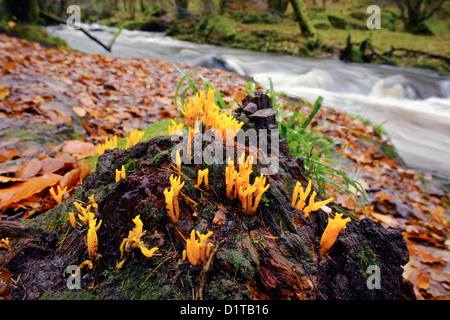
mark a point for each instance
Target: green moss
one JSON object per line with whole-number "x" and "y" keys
{"x": 35, "y": 33}
{"x": 368, "y": 258}
{"x": 242, "y": 264}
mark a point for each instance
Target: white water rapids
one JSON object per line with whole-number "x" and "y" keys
{"x": 413, "y": 104}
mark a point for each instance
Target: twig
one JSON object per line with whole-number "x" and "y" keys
{"x": 204, "y": 271}
{"x": 153, "y": 271}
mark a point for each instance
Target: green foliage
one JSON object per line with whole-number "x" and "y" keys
{"x": 192, "y": 86}
{"x": 319, "y": 152}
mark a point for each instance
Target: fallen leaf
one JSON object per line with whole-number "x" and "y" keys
{"x": 239, "y": 96}
{"x": 4, "y": 92}
{"x": 7, "y": 154}
{"x": 77, "y": 146}
{"x": 79, "y": 111}
{"x": 54, "y": 164}
{"x": 423, "y": 281}
{"x": 71, "y": 178}
{"x": 24, "y": 190}
{"x": 220, "y": 217}
{"x": 28, "y": 169}
{"x": 85, "y": 170}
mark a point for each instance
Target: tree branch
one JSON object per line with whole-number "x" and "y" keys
{"x": 106, "y": 47}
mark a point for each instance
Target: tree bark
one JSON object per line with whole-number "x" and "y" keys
{"x": 24, "y": 10}
{"x": 306, "y": 27}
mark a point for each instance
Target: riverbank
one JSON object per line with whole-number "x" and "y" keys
{"x": 86, "y": 97}
{"x": 256, "y": 28}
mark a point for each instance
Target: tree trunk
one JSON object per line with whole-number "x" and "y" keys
{"x": 306, "y": 27}
{"x": 278, "y": 6}
{"x": 24, "y": 10}
{"x": 182, "y": 7}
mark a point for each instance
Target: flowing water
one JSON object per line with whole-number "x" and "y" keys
{"x": 412, "y": 104}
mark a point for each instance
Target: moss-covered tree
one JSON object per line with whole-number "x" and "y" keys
{"x": 306, "y": 27}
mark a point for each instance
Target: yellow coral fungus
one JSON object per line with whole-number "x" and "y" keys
{"x": 197, "y": 250}
{"x": 92, "y": 240}
{"x": 120, "y": 174}
{"x": 61, "y": 192}
{"x": 133, "y": 241}
{"x": 300, "y": 203}
{"x": 134, "y": 138}
{"x": 331, "y": 232}
{"x": 203, "y": 108}
{"x": 83, "y": 212}
{"x": 314, "y": 206}
{"x": 202, "y": 176}
{"x": 108, "y": 145}
{"x": 234, "y": 180}
{"x": 4, "y": 244}
{"x": 175, "y": 128}
{"x": 238, "y": 185}
{"x": 93, "y": 202}
{"x": 72, "y": 219}
{"x": 251, "y": 196}
{"x": 171, "y": 197}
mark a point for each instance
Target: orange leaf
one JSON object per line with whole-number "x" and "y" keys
{"x": 423, "y": 282}
{"x": 382, "y": 196}
{"x": 77, "y": 146}
{"x": 7, "y": 154}
{"x": 239, "y": 96}
{"x": 71, "y": 178}
{"x": 54, "y": 164}
{"x": 85, "y": 170}
{"x": 81, "y": 112}
{"x": 24, "y": 190}
{"x": 28, "y": 169}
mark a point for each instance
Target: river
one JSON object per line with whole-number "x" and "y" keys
{"x": 412, "y": 104}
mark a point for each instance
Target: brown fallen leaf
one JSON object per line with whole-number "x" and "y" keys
{"x": 77, "y": 146}
{"x": 81, "y": 112}
{"x": 220, "y": 217}
{"x": 71, "y": 178}
{"x": 423, "y": 281}
{"x": 24, "y": 190}
{"x": 5, "y": 278}
{"x": 54, "y": 164}
{"x": 28, "y": 169}
{"x": 7, "y": 154}
{"x": 85, "y": 170}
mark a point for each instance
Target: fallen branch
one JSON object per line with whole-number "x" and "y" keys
{"x": 106, "y": 47}
{"x": 431, "y": 55}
